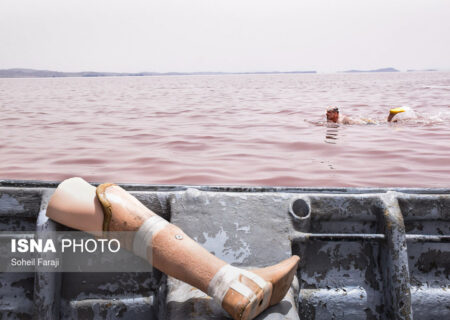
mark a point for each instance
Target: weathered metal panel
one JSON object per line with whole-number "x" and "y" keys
{"x": 365, "y": 253}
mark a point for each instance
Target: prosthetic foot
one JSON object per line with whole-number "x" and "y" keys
{"x": 393, "y": 112}
{"x": 244, "y": 294}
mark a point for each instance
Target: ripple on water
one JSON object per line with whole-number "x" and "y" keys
{"x": 243, "y": 129}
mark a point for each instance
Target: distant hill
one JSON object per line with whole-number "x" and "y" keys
{"x": 376, "y": 70}
{"x": 426, "y": 70}
{"x": 31, "y": 73}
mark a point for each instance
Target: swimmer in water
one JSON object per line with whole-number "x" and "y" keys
{"x": 334, "y": 116}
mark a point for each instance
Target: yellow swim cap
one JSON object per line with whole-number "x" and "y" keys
{"x": 397, "y": 110}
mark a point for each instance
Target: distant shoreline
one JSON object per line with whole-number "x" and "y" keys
{"x": 375, "y": 70}
{"x": 33, "y": 73}
{"x": 387, "y": 70}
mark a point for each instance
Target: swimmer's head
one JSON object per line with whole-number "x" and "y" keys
{"x": 332, "y": 114}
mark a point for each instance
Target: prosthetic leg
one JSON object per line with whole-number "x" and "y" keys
{"x": 243, "y": 294}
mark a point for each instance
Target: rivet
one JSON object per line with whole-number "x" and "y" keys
{"x": 178, "y": 237}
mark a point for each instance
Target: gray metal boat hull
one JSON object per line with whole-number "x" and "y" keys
{"x": 365, "y": 253}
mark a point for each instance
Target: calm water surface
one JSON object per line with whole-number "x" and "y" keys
{"x": 230, "y": 129}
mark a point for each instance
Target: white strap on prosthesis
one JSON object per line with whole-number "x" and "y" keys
{"x": 143, "y": 237}
{"x": 228, "y": 277}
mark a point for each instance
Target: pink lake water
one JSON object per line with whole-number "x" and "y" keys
{"x": 228, "y": 130}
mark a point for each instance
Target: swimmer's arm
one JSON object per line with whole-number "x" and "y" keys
{"x": 347, "y": 120}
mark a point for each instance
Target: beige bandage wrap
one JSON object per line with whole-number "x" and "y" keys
{"x": 228, "y": 277}
{"x": 142, "y": 239}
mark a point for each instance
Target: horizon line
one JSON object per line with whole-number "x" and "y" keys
{"x": 45, "y": 73}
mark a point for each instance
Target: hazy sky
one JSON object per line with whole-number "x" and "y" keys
{"x": 209, "y": 35}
